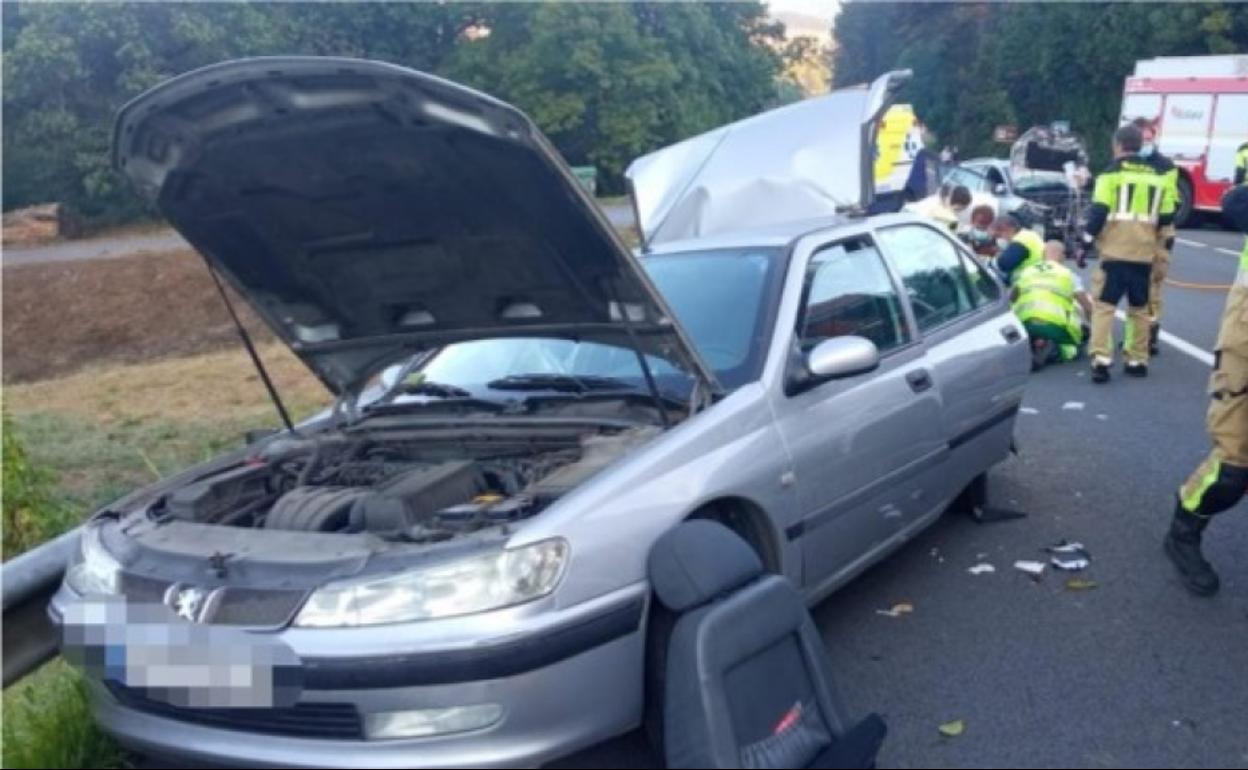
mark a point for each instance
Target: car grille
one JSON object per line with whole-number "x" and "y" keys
{"x": 234, "y": 606}
{"x": 330, "y": 721}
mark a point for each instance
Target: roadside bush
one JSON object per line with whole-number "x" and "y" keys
{"x": 31, "y": 512}
{"x": 47, "y": 723}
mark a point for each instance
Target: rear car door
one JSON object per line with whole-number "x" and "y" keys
{"x": 864, "y": 448}
{"x": 975, "y": 346}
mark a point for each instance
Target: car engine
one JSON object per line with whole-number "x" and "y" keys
{"x": 404, "y": 488}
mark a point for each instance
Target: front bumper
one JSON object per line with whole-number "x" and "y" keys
{"x": 563, "y": 684}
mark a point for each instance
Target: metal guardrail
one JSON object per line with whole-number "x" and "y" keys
{"x": 28, "y": 582}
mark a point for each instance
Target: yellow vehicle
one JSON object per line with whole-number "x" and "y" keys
{"x": 898, "y": 143}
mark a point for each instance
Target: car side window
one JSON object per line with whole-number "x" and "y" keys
{"x": 984, "y": 290}
{"x": 932, "y": 271}
{"x": 848, "y": 291}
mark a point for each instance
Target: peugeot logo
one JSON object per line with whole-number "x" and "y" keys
{"x": 187, "y": 602}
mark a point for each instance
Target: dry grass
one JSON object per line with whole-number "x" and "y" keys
{"x": 196, "y": 389}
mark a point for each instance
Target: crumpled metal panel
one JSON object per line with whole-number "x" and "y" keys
{"x": 801, "y": 161}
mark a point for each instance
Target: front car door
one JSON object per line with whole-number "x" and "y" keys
{"x": 864, "y": 448}
{"x": 975, "y": 346}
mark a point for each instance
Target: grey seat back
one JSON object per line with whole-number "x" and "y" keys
{"x": 748, "y": 681}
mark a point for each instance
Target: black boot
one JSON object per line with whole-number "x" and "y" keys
{"x": 1154, "y": 339}
{"x": 1183, "y": 548}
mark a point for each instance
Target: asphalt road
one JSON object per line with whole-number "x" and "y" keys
{"x": 1134, "y": 673}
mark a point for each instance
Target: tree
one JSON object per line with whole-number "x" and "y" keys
{"x": 977, "y": 64}
{"x": 606, "y": 81}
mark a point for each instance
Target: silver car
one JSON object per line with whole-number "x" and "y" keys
{"x": 448, "y": 568}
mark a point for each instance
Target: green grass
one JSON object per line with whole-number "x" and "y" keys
{"x": 47, "y": 723}
{"x": 96, "y": 464}
{"x": 58, "y": 467}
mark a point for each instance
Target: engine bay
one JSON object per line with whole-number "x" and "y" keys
{"x": 403, "y": 486}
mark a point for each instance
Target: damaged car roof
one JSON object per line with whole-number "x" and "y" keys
{"x": 802, "y": 161}
{"x": 368, "y": 211}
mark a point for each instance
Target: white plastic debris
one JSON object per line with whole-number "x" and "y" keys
{"x": 1035, "y": 568}
{"x": 982, "y": 569}
{"x": 1102, "y": 417}
{"x": 1066, "y": 547}
{"x": 1076, "y": 564}
{"x": 1073, "y": 406}
{"x": 1029, "y": 410}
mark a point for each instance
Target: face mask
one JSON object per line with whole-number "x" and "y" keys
{"x": 979, "y": 235}
{"x": 1147, "y": 150}
{"x": 1003, "y": 243}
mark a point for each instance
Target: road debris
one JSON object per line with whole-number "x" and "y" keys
{"x": 1070, "y": 565}
{"x": 1079, "y": 584}
{"x": 953, "y": 729}
{"x": 1033, "y": 568}
{"x": 982, "y": 569}
{"x": 1102, "y": 417}
{"x": 1073, "y": 406}
{"x": 904, "y": 608}
{"x": 1029, "y": 410}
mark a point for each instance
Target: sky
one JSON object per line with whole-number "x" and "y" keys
{"x": 824, "y": 9}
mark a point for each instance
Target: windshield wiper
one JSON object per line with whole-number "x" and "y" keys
{"x": 435, "y": 389}
{"x": 579, "y": 383}
{"x": 467, "y": 402}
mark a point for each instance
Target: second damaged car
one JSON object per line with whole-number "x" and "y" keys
{"x": 448, "y": 567}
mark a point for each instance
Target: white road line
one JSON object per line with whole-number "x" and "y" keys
{"x": 1181, "y": 345}
{"x": 1197, "y": 244}
{"x": 1232, "y": 252}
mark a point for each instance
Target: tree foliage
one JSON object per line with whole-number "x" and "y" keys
{"x": 606, "y": 81}
{"x": 981, "y": 64}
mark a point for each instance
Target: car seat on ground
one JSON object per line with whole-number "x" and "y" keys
{"x": 749, "y": 683}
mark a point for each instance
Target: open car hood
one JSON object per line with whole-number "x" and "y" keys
{"x": 368, "y": 211}
{"x": 802, "y": 161}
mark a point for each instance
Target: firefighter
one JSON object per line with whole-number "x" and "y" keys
{"x": 1047, "y": 297}
{"x": 1165, "y": 239}
{"x": 1241, "y": 164}
{"x": 1219, "y": 483}
{"x": 1130, "y": 205}
{"x": 1020, "y": 247}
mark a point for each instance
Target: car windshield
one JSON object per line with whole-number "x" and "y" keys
{"x": 1029, "y": 179}
{"x": 720, "y": 297}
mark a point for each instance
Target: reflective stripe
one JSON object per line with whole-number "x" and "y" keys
{"x": 1145, "y": 218}
{"x": 1193, "y": 498}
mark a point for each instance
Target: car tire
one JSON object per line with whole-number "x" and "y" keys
{"x": 1184, "y": 214}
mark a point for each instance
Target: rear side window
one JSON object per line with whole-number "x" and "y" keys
{"x": 848, "y": 291}
{"x": 932, "y": 271}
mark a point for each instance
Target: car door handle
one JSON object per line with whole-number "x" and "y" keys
{"x": 919, "y": 380}
{"x": 1011, "y": 334}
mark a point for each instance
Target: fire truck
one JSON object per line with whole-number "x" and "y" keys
{"x": 1199, "y": 105}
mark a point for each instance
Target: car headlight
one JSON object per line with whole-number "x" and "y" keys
{"x": 92, "y": 569}
{"x": 464, "y": 587}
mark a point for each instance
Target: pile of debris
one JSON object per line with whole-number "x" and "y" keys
{"x": 34, "y": 225}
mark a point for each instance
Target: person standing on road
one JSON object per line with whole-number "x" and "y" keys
{"x": 1020, "y": 247}
{"x": 1165, "y": 237}
{"x": 1220, "y": 481}
{"x": 1241, "y": 164}
{"x": 1130, "y": 205}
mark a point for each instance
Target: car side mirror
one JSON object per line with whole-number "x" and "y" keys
{"x": 842, "y": 357}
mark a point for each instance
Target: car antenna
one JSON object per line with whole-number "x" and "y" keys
{"x": 251, "y": 350}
